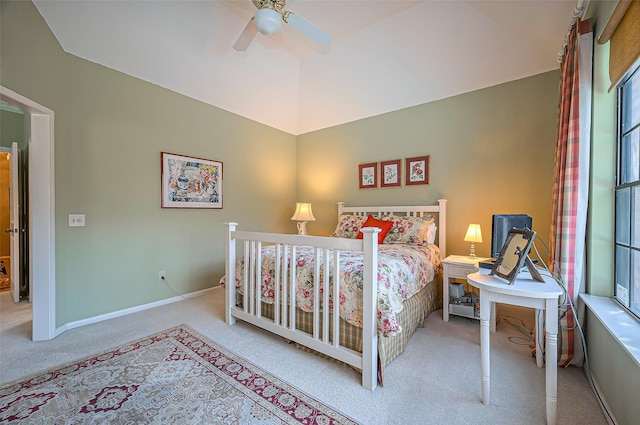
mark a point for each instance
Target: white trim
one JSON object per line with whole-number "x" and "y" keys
{"x": 621, "y": 324}
{"x": 42, "y": 280}
{"x": 4, "y": 106}
{"x": 126, "y": 311}
{"x": 578, "y": 13}
{"x": 604, "y": 406}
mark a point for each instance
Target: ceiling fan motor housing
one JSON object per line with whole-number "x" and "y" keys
{"x": 268, "y": 21}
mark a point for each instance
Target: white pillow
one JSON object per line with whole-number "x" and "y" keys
{"x": 431, "y": 233}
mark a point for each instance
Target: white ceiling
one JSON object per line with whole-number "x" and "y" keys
{"x": 385, "y": 55}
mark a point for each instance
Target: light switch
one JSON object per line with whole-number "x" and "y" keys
{"x": 76, "y": 220}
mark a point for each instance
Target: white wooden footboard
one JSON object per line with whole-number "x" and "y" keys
{"x": 284, "y": 321}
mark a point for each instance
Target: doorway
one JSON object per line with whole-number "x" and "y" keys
{"x": 40, "y": 222}
{"x": 5, "y": 254}
{"x": 6, "y": 262}
{"x": 13, "y": 235}
{"x": 5, "y": 251}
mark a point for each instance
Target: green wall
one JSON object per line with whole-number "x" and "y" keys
{"x": 11, "y": 129}
{"x": 110, "y": 129}
{"x": 616, "y": 373}
{"x": 491, "y": 151}
{"x": 603, "y": 167}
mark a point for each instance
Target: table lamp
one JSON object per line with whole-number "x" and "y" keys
{"x": 302, "y": 215}
{"x": 474, "y": 234}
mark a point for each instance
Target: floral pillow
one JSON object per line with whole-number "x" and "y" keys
{"x": 348, "y": 226}
{"x": 409, "y": 230}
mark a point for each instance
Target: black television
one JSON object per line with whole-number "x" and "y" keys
{"x": 500, "y": 226}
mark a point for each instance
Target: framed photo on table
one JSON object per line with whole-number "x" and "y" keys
{"x": 390, "y": 173}
{"x": 368, "y": 175}
{"x": 189, "y": 182}
{"x": 514, "y": 255}
{"x": 416, "y": 170}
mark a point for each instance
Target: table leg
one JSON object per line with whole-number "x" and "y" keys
{"x": 485, "y": 313}
{"x": 493, "y": 317}
{"x": 445, "y": 297}
{"x": 551, "y": 352}
{"x": 539, "y": 336}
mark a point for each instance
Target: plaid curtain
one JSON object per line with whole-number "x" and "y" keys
{"x": 571, "y": 183}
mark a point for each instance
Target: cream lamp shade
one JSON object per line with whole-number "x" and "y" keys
{"x": 474, "y": 234}
{"x": 302, "y": 215}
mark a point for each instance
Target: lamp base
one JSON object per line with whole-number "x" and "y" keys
{"x": 472, "y": 255}
{"x": 302, "y": 227}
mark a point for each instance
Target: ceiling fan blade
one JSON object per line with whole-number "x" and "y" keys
{"x": 308, "y": 28}
{"x": 247, "y": 36}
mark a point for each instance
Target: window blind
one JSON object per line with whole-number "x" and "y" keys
{"x": 623, "y": 31}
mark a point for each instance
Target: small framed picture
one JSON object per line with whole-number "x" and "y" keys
{"x": 390, "y": 173}
{"x": 368, "y": 175}
{"x": 416, "y": 170}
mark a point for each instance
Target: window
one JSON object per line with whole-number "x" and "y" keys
{"x": 627, "y": 194}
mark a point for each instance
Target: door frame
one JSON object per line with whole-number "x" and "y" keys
{"x": 41, "y": 214}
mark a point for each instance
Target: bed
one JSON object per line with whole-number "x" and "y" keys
{"x": 383, "y": 264}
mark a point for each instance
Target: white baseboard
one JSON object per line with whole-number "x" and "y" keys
{"x": 130, "y": 310}
{"x": 611, "y": 420}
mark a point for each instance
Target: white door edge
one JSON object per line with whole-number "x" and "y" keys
{"x": 14, "y": 223}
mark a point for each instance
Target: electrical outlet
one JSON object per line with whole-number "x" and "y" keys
{"x": 162, "y": 276}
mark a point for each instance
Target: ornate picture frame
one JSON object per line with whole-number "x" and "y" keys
{"x": 416, "y": 170}
{"x": 514, "y": 255}
{"x": 189, "y": 182}
{"x": 368, "y": 175}
{"x": 390, "y": 173}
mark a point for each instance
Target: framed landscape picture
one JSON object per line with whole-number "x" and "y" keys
{"x": 390, "y": 173}
{"x": 416, "y": 170}
{"x": 189, "y": 182}
{"x": 368, "y": 175}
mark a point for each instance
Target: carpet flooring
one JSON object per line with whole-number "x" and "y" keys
{"x": 436, "y": 381}
{"x": 175, "y": 376}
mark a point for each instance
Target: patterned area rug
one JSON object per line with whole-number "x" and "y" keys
{"x": 173, "y": 377}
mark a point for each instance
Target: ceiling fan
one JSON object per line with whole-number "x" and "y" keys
{"x": 268, "y": 20}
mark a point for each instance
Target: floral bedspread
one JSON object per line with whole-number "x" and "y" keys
{"x": 403, "y": 270}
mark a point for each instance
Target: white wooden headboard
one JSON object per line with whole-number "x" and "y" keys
{"x": 439, "y": 211}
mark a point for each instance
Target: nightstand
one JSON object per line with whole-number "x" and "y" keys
{"x": 458, "y": 267}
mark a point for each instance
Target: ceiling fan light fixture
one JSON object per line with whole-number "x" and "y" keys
{"x": 268, "y": 21}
